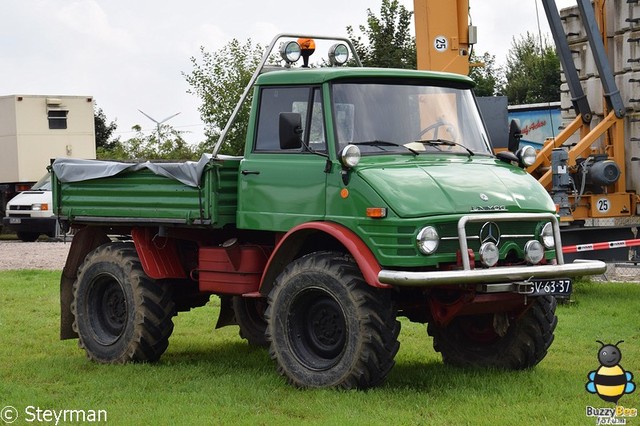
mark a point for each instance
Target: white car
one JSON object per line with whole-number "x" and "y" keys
{"x": 30, "y": 213}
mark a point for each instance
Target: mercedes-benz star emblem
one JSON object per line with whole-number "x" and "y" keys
{"x": 490, "y": 232}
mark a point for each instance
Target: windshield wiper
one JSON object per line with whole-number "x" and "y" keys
{"x": 438, "y": 142}
{"x": 380, "y": 144}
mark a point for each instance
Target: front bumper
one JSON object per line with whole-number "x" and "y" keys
{"x": 491, "y": 275}
{"x": 42, "y": 225}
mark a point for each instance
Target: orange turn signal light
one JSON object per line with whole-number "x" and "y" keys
{"x": 376, "y": 212}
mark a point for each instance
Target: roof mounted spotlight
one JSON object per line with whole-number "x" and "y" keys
{"x": 290, "y": 51}
{"x": 338, "y": 54}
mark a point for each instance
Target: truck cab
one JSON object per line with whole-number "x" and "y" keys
{"x": 30, "y": 213}
{"x": 398, "y": 157}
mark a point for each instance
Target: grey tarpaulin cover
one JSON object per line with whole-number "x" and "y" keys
{"x": 75, "y": 170}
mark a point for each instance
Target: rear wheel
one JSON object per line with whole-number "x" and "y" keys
{"x": 121, "y": 315}
{"x": 249, "y": 313}
{"x": 495, "y": 341}
{"x": 327, "y": 327}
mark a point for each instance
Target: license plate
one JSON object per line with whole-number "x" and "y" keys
{"x": 557, "y": 287}
{"x": 15, "y": 220}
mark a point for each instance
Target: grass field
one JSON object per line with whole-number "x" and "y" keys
{"x": 211, "y": 376}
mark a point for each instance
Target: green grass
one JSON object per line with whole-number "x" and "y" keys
{"x": 211, "y": 376}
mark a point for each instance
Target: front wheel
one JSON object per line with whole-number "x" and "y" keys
{"x": 121, "y": 314}
{"x": 327, "y": 327}
{"x": 497, "y": 341}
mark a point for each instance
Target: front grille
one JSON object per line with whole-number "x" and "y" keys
{"x": 510, "y": 231}
{"x": 394, "y": 242}
{"x": 14, "y": 207}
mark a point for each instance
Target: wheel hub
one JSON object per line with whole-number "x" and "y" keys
{"x": 115, "y": 309}
{"x": 108, "y": 312}
{"x": 326, "y": 326}
{"x": 317, "y": 328}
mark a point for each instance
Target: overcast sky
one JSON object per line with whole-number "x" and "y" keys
{"x": 130, "y": 54}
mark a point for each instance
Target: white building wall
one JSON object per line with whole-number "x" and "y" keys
{"x": 8, "y": 145}
{"x": 28, "y": 143}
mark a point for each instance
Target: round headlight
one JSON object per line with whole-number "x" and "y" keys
{"x": 546, "y": 236}
{"x": 489, "y": 254}
{"x": 290, "y": 51}
{"x": 338, "y": 54}
{"x": 350, "y": 156}
{"x": 428, "y": 240}
{"x": 527, "y": 156}
{"x": 533, "y": 252}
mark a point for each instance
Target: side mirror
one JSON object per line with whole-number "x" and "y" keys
{"x": 290, "y": 130}
{"x": 515, "y": 134}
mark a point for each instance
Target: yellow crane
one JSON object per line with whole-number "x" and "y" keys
{"x": 587, "y": 179}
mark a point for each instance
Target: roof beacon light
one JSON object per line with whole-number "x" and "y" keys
{"x": 338, "y": 54}
{"x": 290, "y": 51}
{"x": 308, "y": 46}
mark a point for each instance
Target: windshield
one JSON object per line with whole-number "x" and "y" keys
{"x": 384, "y": 117}
{"x": 44, "y": 184}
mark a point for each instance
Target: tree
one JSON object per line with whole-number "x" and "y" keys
{"x": 486, "y": 74}
{"x": 166, "y": 145}
{"x": 103, "y": 130}
{"x": 219, "y": 79}
{"x": 389, "y": 43}
{"x": 532, "y": 71}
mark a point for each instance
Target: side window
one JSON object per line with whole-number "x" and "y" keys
{"x": 273, "y": 101}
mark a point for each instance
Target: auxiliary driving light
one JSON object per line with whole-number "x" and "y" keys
{"x": 338, "y": 54}
{"x": 290, "y": 51}
{"x": 533, "y": 252}
{"x": 546, "y": 236}
{"x": 428, "y": 240}
{"x": 489, "y": 254}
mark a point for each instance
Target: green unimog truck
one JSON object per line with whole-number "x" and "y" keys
{"x": 363, "y": 195}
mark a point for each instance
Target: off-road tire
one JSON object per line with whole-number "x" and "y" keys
{"x": 327, "y": 327}
{"x": 121, "y": 315}
{"x": 471, "y": 341}
{"x": 249, "y": 313}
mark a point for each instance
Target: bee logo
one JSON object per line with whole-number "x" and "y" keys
{"x": 610, "y": 381}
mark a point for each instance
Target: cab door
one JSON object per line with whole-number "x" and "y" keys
{"x": 281, "y": 188}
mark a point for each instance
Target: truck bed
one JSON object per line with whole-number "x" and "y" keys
{"x": 144, "y": 193}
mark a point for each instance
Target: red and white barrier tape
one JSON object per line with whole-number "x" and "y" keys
{"x": 601, "y": 246}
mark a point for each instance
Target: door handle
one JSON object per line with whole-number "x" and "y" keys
{"x": 250, "y": 172}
